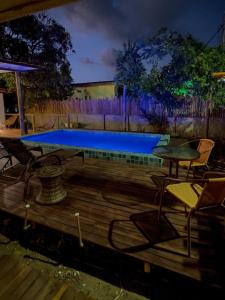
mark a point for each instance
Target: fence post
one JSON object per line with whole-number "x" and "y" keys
{"x": 124, "y": 105}
{"x": 68, "y": 120}
{"x": 58, "y": 120}
{"x": 104, "y": 120}
{"x": 33, "y": 122}
{"x": 207, "y": 123}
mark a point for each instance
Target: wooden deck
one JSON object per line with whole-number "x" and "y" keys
{"x": 20, "y": 281}
{"x": 106, "y": 195}
{"x": 11, "y": 132}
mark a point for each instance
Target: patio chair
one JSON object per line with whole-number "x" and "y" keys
{"x": 47, "y": 126}
{"x": 29, "y": 163}
{"x": 11, "y": 121}
{"x": 204, "y": 148}
{"x": 196, "y": 194}
{"x": 5, "y": 159}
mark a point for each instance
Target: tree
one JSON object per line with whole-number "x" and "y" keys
{"x": 190, "y": 63}
{"x": 209, "y": 60}
{"x": 39, "y": 40}
{"x": 179, "y": 67}
{"x": 129, "y": 68}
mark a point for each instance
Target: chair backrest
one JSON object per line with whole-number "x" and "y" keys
{"x": 17, "y": 148}
{"x": 205, "y": 147}
{"x": 213, "y": 193}
{"x": 47, "y": 126}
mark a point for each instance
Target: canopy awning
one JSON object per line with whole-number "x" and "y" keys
{"x": 13, "y": 9}
{"x": 11, "y": 66}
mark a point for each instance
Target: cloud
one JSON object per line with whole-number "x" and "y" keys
{"x": 132, "y": 19}
{"x": 87, "y": 61}
{"x": 108, "y": 57}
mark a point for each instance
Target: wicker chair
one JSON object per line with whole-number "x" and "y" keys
{"x": 205, "y": 147}
{"x": 11, "y": 121}
{"x": 196, "y": 194}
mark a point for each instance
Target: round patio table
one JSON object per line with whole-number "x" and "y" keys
{"x": 52, "y": 190}
{"x": 175, "y": 154}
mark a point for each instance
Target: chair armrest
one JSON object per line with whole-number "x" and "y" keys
{"x": 170, "y": 180}
{"x": 35, "y": 148}
{"x": 46, "y": 159}
{"x": 213, "y": 174}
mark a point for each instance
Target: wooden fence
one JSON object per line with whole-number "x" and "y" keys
{"x": 134, "y": 107}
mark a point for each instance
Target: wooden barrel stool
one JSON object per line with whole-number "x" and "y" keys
{"x": 52, "y": 190}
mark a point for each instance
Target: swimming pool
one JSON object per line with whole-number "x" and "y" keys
{"x": 133, "y": 148}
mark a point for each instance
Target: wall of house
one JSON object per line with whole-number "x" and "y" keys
{"x": 2, "y": 110}
{"x": 95, "y": 91}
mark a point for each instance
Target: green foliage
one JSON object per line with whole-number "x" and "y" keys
{"x": 211, "y": 59}
{"x": 42, "y": 41}
{"x": 188, "y": 60}
{"x": 184, "y": 90}
{"x": 158, "y": 121}
{"x": 180, "y": 66}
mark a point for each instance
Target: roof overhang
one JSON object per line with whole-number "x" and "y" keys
{"x": 13, "y": 9}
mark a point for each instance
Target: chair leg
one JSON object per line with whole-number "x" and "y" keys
{"x": 27, "y": 187}
{"x": 160, "y": 203}
{"x": 189, "y": 233}
{"x": 185, "y": 209}
{"x": 188, "y": 171}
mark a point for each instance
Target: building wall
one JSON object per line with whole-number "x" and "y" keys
{"x": 96, "y": 91}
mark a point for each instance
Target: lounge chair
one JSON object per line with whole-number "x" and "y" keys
{"x": 47, "y": 126}
{"x": 196, "y": 194}
{"x": 11, "y": 121}
{"x": 29, "y": 163}
{"x": 205, "y": 147}
{"x": 5, "y": 159}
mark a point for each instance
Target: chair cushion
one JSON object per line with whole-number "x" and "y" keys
{"x": 198, "y": 164}
{"x": 185, "y": 164}
{"x": 185, "y": 192}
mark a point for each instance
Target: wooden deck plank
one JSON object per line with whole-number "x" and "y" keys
{"x": 45, "y": 212}
{"x": 21, "y": 281}
{"x": 8, "y": 291}
{"x": 104, "y": 191}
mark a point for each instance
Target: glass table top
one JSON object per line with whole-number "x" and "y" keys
{"x": 176, "y": 152}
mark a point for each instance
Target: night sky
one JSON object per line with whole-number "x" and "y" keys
{"x": 99, "y": 26}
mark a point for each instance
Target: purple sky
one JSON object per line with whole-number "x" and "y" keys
{"x": 98, "y": 26}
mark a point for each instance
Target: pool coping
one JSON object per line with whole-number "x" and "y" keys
{"x": 128, "y": 157}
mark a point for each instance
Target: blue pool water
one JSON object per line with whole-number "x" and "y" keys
{"x": 99, "y": 140}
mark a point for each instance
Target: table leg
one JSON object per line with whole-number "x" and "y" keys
{"x": 170, "y": 168}
{"x": 177, "y": 166}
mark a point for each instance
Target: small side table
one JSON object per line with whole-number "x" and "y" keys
{"x": 175, "y": 154}
{"x": 52, "y": 190}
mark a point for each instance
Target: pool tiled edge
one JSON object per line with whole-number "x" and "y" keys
{"x": 130, "y": 158}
